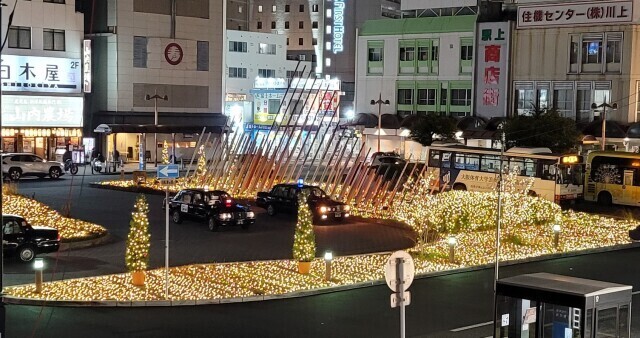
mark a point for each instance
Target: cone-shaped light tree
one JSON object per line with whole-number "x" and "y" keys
{"x": 165, "y": 152}
{"x": 137, "y": 253}
{"x": 304, "y": 241}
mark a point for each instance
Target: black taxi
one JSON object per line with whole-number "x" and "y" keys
{"x": 284, "y": 198}
{"x": 216, "y": 207}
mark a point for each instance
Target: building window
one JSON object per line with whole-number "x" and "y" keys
{"x": 427, "y": 96}
{"x": 139, "y": 52}
{"x": 287, "y": 41}
{"x": 328, "y": 29}
{"x": 614, "y": 48}
{"x": 423, "y": 53}
{"x": 301, "y": 8}
{"x": 405, "y": 96}
{"x": 435, "y": 52}
{"x": 327, "y": 45}
{"x": 202, "y": 57}
{"x": 237, "y": 46}
{"x": 19, "y": 37}
{"x": 314, "y": 25}
{"x": 301, "y": 24}
{"x": 260, "y": 9}
{"x": 287, "y": 8}
{"x": 592, "y": 50}
{"x": 259, "y": 26}
{"x": 266, "y": 72}
{"x": 461, "y": 97}
{"x": 563, "y": 102}
{"x": 466, "y": 53}
{"x": 327, "y": 62}
{"x": 239, "y": 9}
{"x": 273, "y": 8}
{"x": 407, "y": 53}
{"x": 53, "y": 39}
{"x": 300, "y": 41}
{"x": 314, "y": 8}
{"x": 237, "y": 73}
{"x": 286, "y": 25}
{"x": 267, "y": 48}
{"x": 375, "y": 54}
{"x": 54, "y": 1}
{"x": 314, "y": 41}
{"x": 273, "y": 25}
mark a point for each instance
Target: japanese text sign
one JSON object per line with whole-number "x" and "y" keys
{"x": 41, "y": 111}
{"x": 492, "y": 43}
{"x": 572, "y": 14}
{"x": 22, "y": 73}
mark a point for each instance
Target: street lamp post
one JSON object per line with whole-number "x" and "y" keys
{"x": 379, "y": 102}
{"x": 155, "y": 98}
{"x": 2, "y": 308}
{"x": 602, "y": 108}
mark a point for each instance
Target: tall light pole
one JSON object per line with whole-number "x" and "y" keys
{"x": 379, "y": 102}
{"x": 155, "y": 98}
{"x": 602, "y": 108}
{"x": 2, "y": 308}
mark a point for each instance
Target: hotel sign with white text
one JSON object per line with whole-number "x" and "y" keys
{"x": 21, "y": 73}
{"x": 339, "y": 7}
{"x": 574, "y": 14}
{"x": 41, "y": 111}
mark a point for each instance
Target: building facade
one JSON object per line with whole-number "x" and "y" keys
{"x": 41, "y": 70}
{"x": 254, "y": 57}
{"x": 421, "y": 65}
{"x": 143, "y": 48}
{"x": 570, "y": 54}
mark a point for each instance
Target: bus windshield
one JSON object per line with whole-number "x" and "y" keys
{"x": 570, "y": 174}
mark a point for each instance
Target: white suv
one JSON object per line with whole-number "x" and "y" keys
{"x": 17, "y": 165}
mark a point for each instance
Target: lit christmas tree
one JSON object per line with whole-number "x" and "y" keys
{"x": 137, "y": 253}
{"x": 165, "y": 152}
{"x": 201, "y": 171}
{"x": 304, "y": 241}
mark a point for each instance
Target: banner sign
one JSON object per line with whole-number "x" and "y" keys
{"x": 41, "y": 111}
{"x": 21, "y": 73}
{"x": 492, "y": 61}
{"x": 573, "y": 14}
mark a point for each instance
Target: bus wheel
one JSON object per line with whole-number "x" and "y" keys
{"x": 604, "y": 198}
{"x": 459, "y": 186}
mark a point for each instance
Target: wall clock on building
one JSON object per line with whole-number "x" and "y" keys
{"x": 173, "y": 53}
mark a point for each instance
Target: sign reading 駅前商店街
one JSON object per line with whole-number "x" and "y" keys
{"x": 41, "y": 111}
{"x": 21, "y": 73}
{"x": 491, "y": 81}
{"x": 339, "y": 7}
{"x": 574, "y": 14}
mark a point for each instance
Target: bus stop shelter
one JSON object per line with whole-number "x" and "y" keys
{"x": 544, "y": 305}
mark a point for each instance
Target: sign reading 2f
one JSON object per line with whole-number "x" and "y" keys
{"x": 338, "y": 26}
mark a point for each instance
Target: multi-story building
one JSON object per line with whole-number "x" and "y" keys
{"x": 320, "y": 31}
{"x": 41, "y": 70}
{"x": 251, "y": 56}
{"x": 158, "y": 47}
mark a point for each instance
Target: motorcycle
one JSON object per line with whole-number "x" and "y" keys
{"x": 70, "y": 167}
{"x": 96, "y": 165}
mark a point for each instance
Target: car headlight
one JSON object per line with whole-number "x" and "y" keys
{"x": 347, "y": 208}
{"x": 225, "y": 215}
{"x": 323, "y": 209}
{"x": 250, "y": 214}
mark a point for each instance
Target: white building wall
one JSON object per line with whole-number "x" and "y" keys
{"x": 157, "y": 28}
{"x": 371, "y": 86}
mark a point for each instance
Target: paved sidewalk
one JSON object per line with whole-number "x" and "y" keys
{"x": 129, "y": 168}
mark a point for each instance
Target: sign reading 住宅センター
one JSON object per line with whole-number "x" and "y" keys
{"x": 572, "y": 14}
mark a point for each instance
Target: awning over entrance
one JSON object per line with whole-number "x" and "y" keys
{"x": 159, "y": 129}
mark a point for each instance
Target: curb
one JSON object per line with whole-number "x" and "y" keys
{"x": 302, "y": 293}
{"x": 104, "y": 239}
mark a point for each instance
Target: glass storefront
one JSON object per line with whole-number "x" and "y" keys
{"x": 42, "y": 141}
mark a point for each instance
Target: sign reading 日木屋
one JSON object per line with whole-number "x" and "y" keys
{"x": 573, "y": 14}
{"x": 492, "y": 43}
{"x": 338, "y": 26}
{"x": 21, "y": 73}
{"x": 41, "y": 111}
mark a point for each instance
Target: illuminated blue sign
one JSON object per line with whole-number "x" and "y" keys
{"x": 338, "y": 25}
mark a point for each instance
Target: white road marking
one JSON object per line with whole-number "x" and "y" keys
{"x": 471, "y": 327}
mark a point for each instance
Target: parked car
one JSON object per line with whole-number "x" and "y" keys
{"x": 381, "y": 159}
{"x": 25, "y": 241}
{"x": 17, "y": 165}
{"x": 284, "y": 198}
{"x": 216, "y": 207}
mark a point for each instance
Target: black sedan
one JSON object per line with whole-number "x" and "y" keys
{"x": 216, "y": 207}
{"x": 25, "y": 241}
{"x": 284, "y": 198}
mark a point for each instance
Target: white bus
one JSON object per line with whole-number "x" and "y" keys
{"x": 556, "y": 177}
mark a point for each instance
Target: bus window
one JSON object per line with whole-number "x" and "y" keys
{"x": 529, "y": 167}
{"x": 548, "y": 170}
{"x": 434, "y": 158}
{"x": 459, "y": 163}
{"x": 490, "y": 163}
{"x": 472, "y": 162}
{"x": 516, "y": 165}
{"x": 446, "y": 160}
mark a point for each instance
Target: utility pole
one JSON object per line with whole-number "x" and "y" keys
{"x": 379, "y": 102}
{"x": 155, "y": 98}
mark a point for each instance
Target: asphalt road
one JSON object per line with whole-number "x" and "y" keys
{"x": 190, "y": 242}
{"x": 457, "y": 305}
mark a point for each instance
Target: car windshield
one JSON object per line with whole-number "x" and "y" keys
{"x": 217, "y": 196}
{"x": 315, "y": 192}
